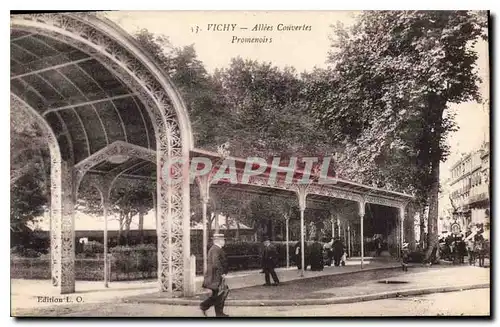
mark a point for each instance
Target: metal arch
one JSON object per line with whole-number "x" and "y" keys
{"x": 63, "y": 123}
{"x": 115, "y": 148}
{"x": 74, "y": 111}
{"x": 118, "y": 53}
{"x": 112, "y": 102}
{"x": 157, "y": 73}
{"x": 83, "y": 94}
{"x": 56, "y": 206}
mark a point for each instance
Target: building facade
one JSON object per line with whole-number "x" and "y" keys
{"x": 469, "y": 189}
{"x": 446, "y": 218}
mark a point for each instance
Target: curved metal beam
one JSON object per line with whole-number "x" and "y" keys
{"x": 59, "y": 93}
{"x": 74, "y": 111}
{"x": 25, "y": 50}
{"x": 63, "y": 123}
{"x": 112, "y": 102}
{"x": 143, "y": 121}
{"x": 85, "y": 97}
{"x": 115, "y": 148}
{"x": 76, "y": 63}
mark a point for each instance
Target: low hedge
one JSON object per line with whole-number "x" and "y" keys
{"x": 39, "y": 268}
{"x": 140, "y": 261}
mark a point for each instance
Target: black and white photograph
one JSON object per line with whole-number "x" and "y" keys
{"x": 231, "y": 164}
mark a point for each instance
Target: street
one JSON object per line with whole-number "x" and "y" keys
{"x": 467, "y": 303}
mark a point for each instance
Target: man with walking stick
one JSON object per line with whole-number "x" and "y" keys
{"x": 214, "y": 278}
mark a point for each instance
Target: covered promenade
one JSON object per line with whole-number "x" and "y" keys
{"x": 109, "y": 113}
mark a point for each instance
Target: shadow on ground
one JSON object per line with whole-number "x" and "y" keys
{"x": 308, "y": 288}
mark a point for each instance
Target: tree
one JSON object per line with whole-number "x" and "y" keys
{"x": 211, "y": 120}
{"x": 392, "y": 78}
{"x": 127, "y": 200}
{"x": 28, "y": 201}
{"x": 269, "y": 113}
{"x": 29, "y": 168}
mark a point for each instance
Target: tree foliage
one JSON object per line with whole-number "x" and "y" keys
{"x": 391, "y": 79}
{"x": 260, "y": 109}
{"x": 29, "y": 168}
{"x": 269, "y": 111}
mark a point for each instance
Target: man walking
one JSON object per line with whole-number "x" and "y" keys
{"x": 269, "y": 262}
{"x": 214, "y": 278}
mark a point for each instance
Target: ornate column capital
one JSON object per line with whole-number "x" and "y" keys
{"x": 362, "y": 204}
{"x": 302, "y": 190}
{"x": 402, "y": 210}
{"x": 204, "y": 187}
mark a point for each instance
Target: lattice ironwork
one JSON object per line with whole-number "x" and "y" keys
{"x": 383, "y": 201}
{"x": 67, "y": 231}
{"x": 114, "y": 149}
{"x": 333, "y": 192}
{"x": 158, "y": 95}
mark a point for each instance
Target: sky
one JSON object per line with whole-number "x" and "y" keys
{"x": 300, "y": 49}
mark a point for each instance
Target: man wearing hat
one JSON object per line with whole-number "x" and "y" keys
{"x": 214, "y": 278}
{"x": 269, "y": 262}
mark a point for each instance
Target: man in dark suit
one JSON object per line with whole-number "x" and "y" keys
{"x": 316, "y": 256}
{"x": 338, "y": 251}
{"x": 269, "y": 262}
{"x": 214, "y": 277}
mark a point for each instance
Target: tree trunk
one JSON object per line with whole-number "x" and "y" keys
{"x": 436, "y": 108}
{"x": 237, "y": 230}
{"x": 432, "y": 220}
{"x": 141, "y": 225}
{"x": 237, "y": 237}
{"x": 128, "y": 220}
{"x": 422, "y": 227}
{"x": 272, "y": 231}
{"x": 409, "y": 227}
{"x": 120, "y": 228}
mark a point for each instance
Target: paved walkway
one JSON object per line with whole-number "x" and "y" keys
{"x": 337, "y": 284}
{"x": 254, "y": 277}
{"x": 438, "y": 304}
{"x": 26, "y": 293}
{"x": 347, "y": 288}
